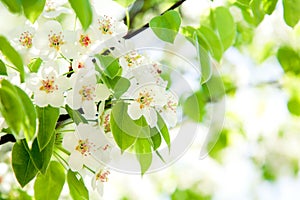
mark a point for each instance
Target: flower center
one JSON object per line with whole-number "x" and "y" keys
{"x": 102, "y": 176}
{"x": 133, "y": 58}
{"x": 144, "y": 99}
{"x": 56, "y": 40}
{"x": 105, "y": 25}
{"x": 48, "y": 85}
{"x": 26, "y": 39}
{"x": 87, "y": 93}
{"x": 80, "y": 65}
{"x": 84, "y": 147}
{"x": 85, "y": 40}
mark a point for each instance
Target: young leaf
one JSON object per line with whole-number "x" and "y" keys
{"x": 76, "y": 116}
{"x": 143, "y": 154}
{"x": 123, "y": 139}
{"x": 205, "y": 63}
{"x": 119, "y": 85}
{"x": 155, "y": 137}
{"x": 83, "y": 11}
{"x": 291, "y": 11}
{"x": 49, "y": 185}
{"x": 14, "y": 6}
{"x": 29, "y": 123}
{"x": 48, "y": 117}
{"x": 42, "y": 158}
{"x": 125, "y": 3}
{"x": 77, "y": 188}
{"x": 269, "y": 6}
{"x": 225, "y": 26}
{"x": 23, "y": 166}
{"x": 2, "y": 68}
{"x": 35, "y": 64}
{"x": 194, "y": 106}
{"x": 33, "y": 8}
{"x": 289, "y": 59}
{"x": 163, "y": 129}
{"x": 166, "y": 26}
{"x": 13, "y": 56}
{"x": 110, "y": 64}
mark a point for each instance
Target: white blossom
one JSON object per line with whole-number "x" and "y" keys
{"x": 99, "y": 179}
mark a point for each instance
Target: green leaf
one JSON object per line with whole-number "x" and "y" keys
{"x": 289, "y": 59}
{"x": 77, "y": 188}
{"x": 209, "y": 40}
{"x": 294, "y": 106}
{"x": 163, "y": 129}
{"x": 11, "y": 107}
{"x": 42, "y": 158}
{"x": 125, "y": 3}
{"x": 143, "y": 154}
{"x": 119, "y": 85}
{"x": 23, "y": 166}
{"x": 33, "y": 8}
{"x": 194, "y": 106}
{"x": 205, "y": 63}
{"x": 257, "y": 8}
{"x": 155, "y": 137}
{"x": 225, "y": 26}
{"x": 2, "y": 68}
{"x": 14, "y": 6}
{"x": 166, "y": 26}
{"x": 291, "y": 9}
{"x": 83, "y": 11}
{"x": 49, "y": 186}
{"x": 110, "y": 64}
{"x": 13, "y": 56}
{"x": 29, "y": 123}
{"x": 269, "y": 6}
{"x": 76, "y": 116}
{"x": 35, "y": 64}
{"x": 48, "y": 117}
{"x": 123, "y": 139}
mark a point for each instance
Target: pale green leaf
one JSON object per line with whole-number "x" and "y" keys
{"x": 143, "y": 154}
{"x": 125, "y": 3}
{"x": 83, "y": 11}
{"x": 76, "y": 116}
{"x": 33, "y": 8}
{"x": 14, "y": 6}
{"x": 35, "y": 64}
{"x": 291, "y": 9}
{"x": 77, "y": 188}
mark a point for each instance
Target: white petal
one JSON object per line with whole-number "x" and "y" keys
{"x": 40, "y": 99}
{"x": 56, "y": 99}
{"x": 91, "y": 162}
{"x": 134, "y": 111}
{"x": 76, "y": 161}
{"x": 89, "y": 109}
{"x": 102, "y": 92}
{"x": 150, "y": 116}
{"x": 70, "y": 141}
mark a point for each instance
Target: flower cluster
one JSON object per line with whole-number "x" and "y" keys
{"x": 66, "y": 72}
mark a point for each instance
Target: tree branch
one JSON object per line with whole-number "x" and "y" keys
{"x": 7, "y": 138}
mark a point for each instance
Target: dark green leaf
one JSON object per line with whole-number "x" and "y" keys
{"x": 83, "y": 11}
{"x": 289, "y": 59}
{"x": 2, "y": 68}
{"x": 76, "y": 116}
{"x": 291, "y": 9}
{"x": 13, "y": 56}
{"x": 125, "y": 3}
{"x": 110, "y": 64}
{"x": 14, "y": 6}
{"x": 48, "y": 117}
{"x": 35, "y": 64}
{"x": 42, "y": 158}
{"x": 33, "y": 8}
{"x": 23, "y": 166}
{"x": 143, "y": 154}
{"x": 166, "y": 26}
{"x": 49, "y": 185}
{"x": 77, "y": 188}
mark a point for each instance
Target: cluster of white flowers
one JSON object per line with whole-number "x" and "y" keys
{"x": 68, "y": 76}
